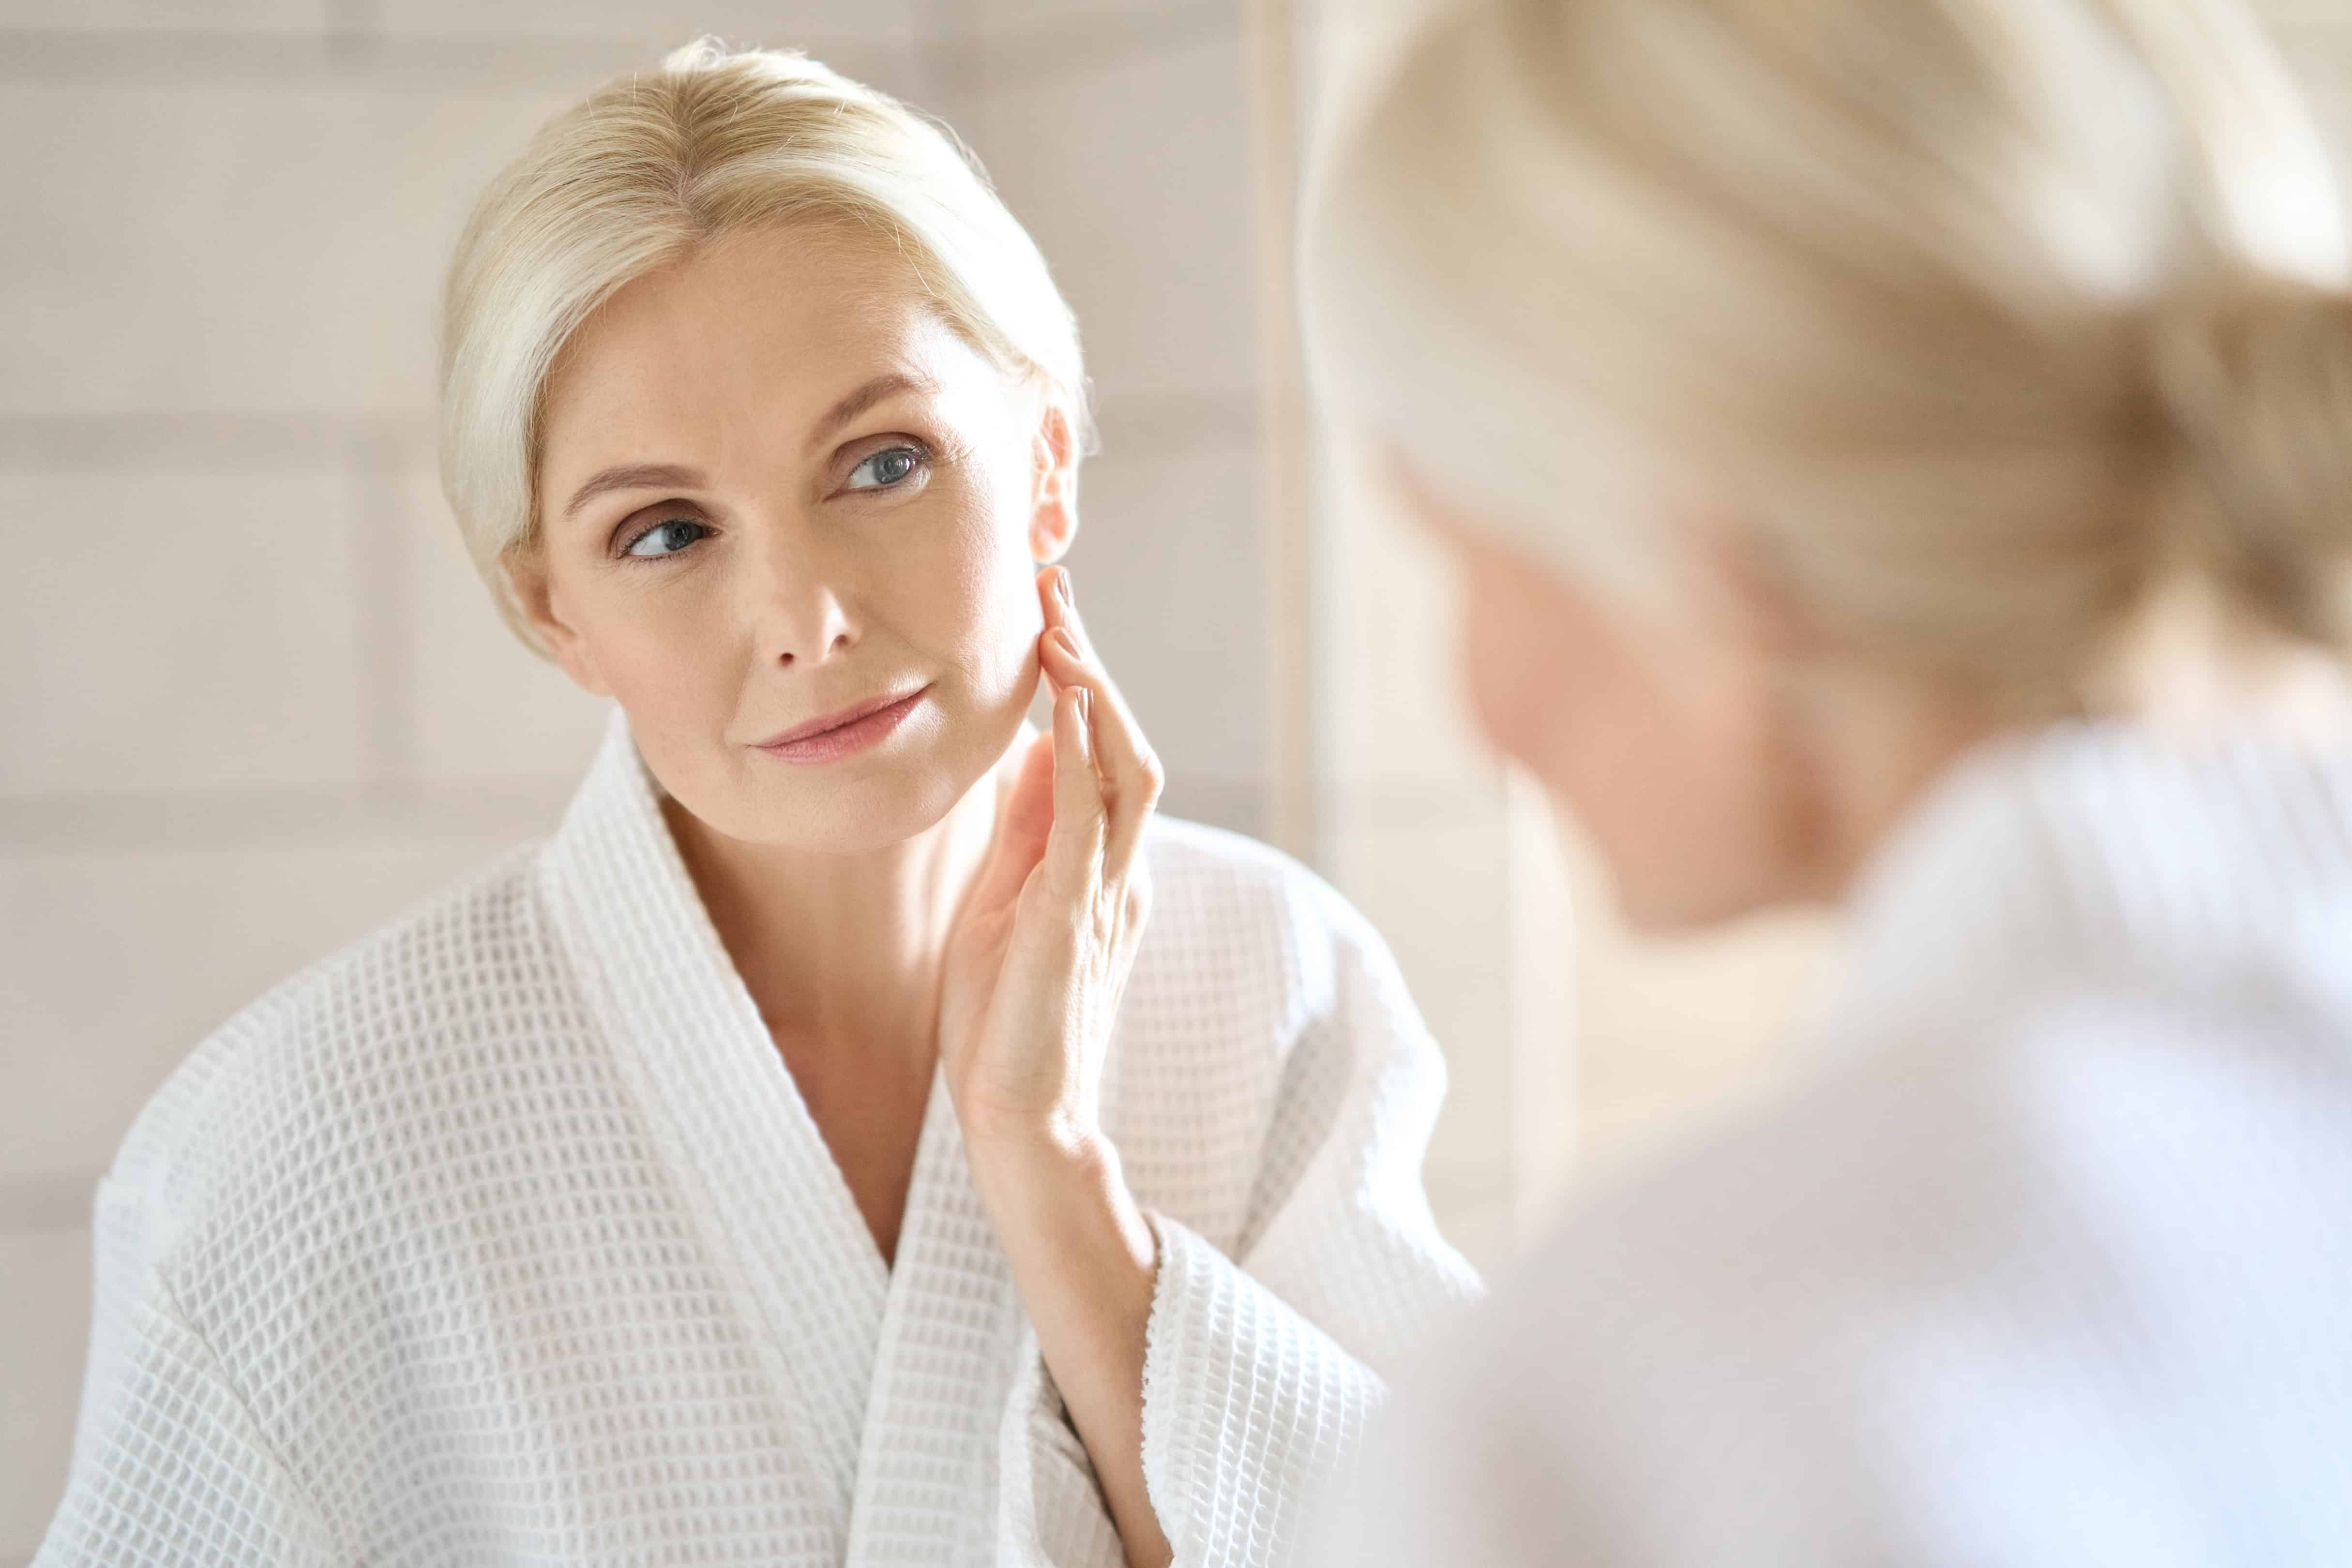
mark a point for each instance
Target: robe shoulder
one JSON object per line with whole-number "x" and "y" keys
{"x": 1238, "y": 921}
{"x": 1261, "y": 1002}
{"x": 315, "y": 1067}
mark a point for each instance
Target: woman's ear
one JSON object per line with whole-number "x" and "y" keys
{"x": 534, "y": 595}
{"x": 1053, "y": 507}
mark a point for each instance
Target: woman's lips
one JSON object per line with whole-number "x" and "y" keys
{"x": 843, "y": 733}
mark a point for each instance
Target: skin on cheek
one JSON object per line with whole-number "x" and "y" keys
{"x": 1675, "y": 748}
{"x": 1571, "y": 695}
{"x": 997, "y": 583}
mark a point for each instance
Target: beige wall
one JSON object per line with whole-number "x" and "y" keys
{"x": 251, "y": 700}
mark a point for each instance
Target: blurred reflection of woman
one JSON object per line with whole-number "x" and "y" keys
{"x": 1900, "y": 452}
{"x": 808, "y": 1155}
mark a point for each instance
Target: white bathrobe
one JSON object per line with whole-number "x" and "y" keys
{"x": 503, "y": 1236}
{"x": 2047, "y": 1264}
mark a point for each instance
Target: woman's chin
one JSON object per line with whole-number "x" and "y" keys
{"x": 847, "y": 819}
{"x": 847, "y": 810}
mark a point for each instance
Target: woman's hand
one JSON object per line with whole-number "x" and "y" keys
{"x": 1034, "y": 974}
{"x": 1041, "y": 953}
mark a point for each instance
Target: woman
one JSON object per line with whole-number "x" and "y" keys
{"x": 808, "y": 1155}
{"x": 1900, "y": 452}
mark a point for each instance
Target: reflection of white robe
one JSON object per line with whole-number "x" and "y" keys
{"x": 504, "y": 1236}
{"x": 2045, "y": 1263}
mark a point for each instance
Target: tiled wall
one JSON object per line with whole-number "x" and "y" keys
{"x": 252, "y": 700}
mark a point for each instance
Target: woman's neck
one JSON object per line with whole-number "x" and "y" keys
{"x": 1877, "y": 745}
{"x": 843, "y": 950}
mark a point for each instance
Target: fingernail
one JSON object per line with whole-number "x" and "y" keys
{"x": 1062, "y": 588}
{"x": 1067, "y": 644}
{"x": 1086, "y": 706}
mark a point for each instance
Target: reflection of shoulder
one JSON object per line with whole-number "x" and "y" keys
{"x": 314, "y": 1072}
{"x": 1968, "y": 1241}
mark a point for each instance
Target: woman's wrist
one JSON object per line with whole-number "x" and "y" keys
{"x": 1085, "y": 1260}
{"x": 1058, "y": 1189}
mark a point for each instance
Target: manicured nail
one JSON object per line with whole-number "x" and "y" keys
{"x": 1086, "y": 706}
{"x": 1062, "y": 588}
{"x": 1067, "y": 644}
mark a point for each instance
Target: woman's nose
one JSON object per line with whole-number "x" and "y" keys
{"x": 802, "y": 615}
{"x": 839, "y": 642}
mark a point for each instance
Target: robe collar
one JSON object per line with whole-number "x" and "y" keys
{"x": 893, "y": 1374}
{"x": 2103, "y": 848}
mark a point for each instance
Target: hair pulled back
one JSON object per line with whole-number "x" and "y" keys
{"x": 1988, "y": 319}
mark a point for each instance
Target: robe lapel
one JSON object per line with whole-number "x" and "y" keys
{"x": 750, "y": 1158}
{"x": 941, "y": 1372}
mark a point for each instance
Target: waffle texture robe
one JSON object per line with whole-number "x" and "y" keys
{"x": 503, "y": 1236}
{"x": 2046, "y": 1261}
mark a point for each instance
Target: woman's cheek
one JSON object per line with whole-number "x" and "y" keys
{"x": 1520, "y": 674}
{"x": 1562, "y": 694}
{"x": 987, "y": 628}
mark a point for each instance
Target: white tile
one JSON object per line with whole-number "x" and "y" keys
{"x": 1398, "y": 710}
{"x": 1435, "y": 886}
{"x": 167, "y": 15}
{"x": 44, "y": 1330}
{"x": 1168, "y": 578}
{"x": 1031, "y": 16}
{"x": 113, "y": 965}
{"x": 1474, "y": 1215}
{"x": 230, "y": 246}
{"x": 769, "y": 22}
{"x": 486, "y": 706}
{"x": 163, "y": 631}
{"x": 1133, "y": 176}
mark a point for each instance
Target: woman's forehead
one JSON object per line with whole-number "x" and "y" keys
{"x": 778, "y": 327}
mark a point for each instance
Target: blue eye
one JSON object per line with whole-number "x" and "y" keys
{"x": 666, "y": 538}
{"x": 886, "y": 468}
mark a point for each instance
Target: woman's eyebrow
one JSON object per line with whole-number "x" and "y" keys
{"x": 660, "y": 476}
{"x": 633, "y": 477}
{"x": 866, "y": 397}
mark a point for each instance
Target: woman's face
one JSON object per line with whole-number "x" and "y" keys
{"x": 777, "y": 491}
{"x": 1669, "y": 748}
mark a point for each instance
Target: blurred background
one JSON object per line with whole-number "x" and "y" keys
{"x": 253, "y": 702}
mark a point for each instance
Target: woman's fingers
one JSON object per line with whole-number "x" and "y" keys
{"x": 1023, "y": 826}
{"x": 1132, "y": 773}
{"x": 1077, "y": 832}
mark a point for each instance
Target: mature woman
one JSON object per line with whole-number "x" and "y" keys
{"x": 809, "y": 1154}
{"x": 1900, "y": 452}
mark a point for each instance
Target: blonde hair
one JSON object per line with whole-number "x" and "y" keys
{"x": 647, "y": 169}
{"x": 1996, "y": 315}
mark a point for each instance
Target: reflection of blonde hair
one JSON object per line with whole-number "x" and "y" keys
{"x": 1994, "y": 317}
{"x": 649, "y": 167}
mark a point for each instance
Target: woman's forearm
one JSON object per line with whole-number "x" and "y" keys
{"x": 1084, "y": 1258}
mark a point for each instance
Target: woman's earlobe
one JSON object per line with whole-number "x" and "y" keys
{"x": 1054, "y": 510}
{"x": 1047, "y": 546}
{"x": 1054, "y": 519}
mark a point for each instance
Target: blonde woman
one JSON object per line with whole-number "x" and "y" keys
{"x": 811, "y": 1153}
{"x": 1899, "y": 452}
